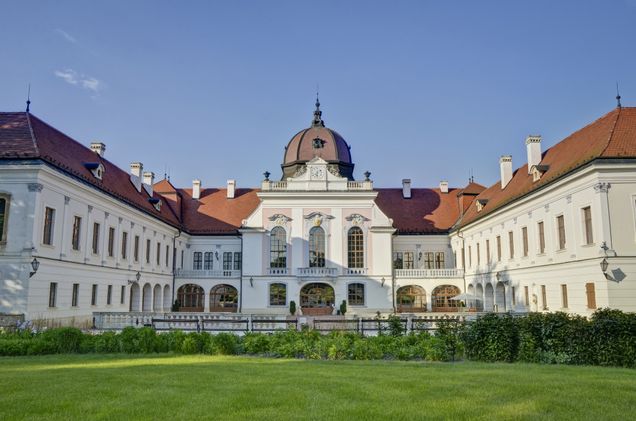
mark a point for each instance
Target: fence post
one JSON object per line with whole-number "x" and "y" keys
{"x": 250, "y": 323}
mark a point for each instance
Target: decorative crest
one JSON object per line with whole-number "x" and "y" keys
{"x": 317, "y": 122}
{"x": 618, "y": 97}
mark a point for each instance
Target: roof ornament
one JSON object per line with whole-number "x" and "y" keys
{"x": 317, "y": 122}
{"x": 618, "y": 97}
{"x": 28, "y": 102}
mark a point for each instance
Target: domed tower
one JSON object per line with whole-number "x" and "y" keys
{"x": 317, "y": 141}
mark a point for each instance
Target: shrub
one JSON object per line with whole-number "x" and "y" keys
{"x": 256, "y": 343}
{"x": 343, "y": 307}
{"x": 223, "y": 344}
{"x": 65, "y": 339}
{"x": 492, "y": 338}
{"x": 450, "y": 332}
{"x": 107, "y": 342}
{"x": 14, "y": 347}
{"x": 396, "y": 326}
{"x": 292, "y": 307}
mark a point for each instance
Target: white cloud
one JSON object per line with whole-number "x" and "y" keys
{"x": 71, "y": 77}
{"x": 66, "y": 36}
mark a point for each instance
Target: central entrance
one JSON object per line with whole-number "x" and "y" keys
{"x": 317, "y": 299}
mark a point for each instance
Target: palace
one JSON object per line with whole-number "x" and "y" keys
{"x": 78, "y": 235}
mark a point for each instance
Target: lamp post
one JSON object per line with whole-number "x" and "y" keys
{"x": 35, "y": 264}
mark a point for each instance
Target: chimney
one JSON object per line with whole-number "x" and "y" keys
{"x": 99, "y": 148}
{"x": 149, "y": 180}
{"x": 231, "y": 188}
{"x": 136, "y": 168}
{"x": 443, "y": 186}
{"x": 505, "y": 165}
{"x": 196, "y": 189}
{"x": 533, "y": 145}
{"x": 406, "y": 188}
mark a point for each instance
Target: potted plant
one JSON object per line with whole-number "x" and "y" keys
{"x": 292, "y": 307}
{"x": 343, "y": 307}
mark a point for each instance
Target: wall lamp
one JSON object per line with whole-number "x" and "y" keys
{"x": 383, "y": 280}
{"x": 251, "y": 282}
{"x": 34, "y": 265}
{"x": 137, "y": 277}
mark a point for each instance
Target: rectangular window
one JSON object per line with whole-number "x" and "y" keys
{"x": 561, "y": 231}
{"x": 182, "y": 260}
{"x": 587, "y": 221}
{"x": 511, "y": 244}
{"x": 52, "y": 294}
{"x": 355, "y": 294}
{"x": 136, "y": 249}
{"x": 564, "y": 296}
{"x": 109, "y": 294}
{"x": 4, "y": 211}
{"x": 94, "y": 295}
{"x": 227, "y": 260}
{"x": 167, "y": 256}
{"x": 470, "y": 256}
{"x": 408, "y": 260}
{"x": 122, "y": 295}
{"x": 591, "y": 295}
{"x": 74, "y": 295}
{"x": 196, "y": 261}
{"x": 541, "y": 237}
{"x": 499, "y": 248}
{"x": 544, "y": 298}
{"x": 429, "y": 260}
{"x": 208, "y": 260}
{"x": 463, "y": 258}
{"x": 111, "y": 242}
{"x": 514, "y": 296}
{"x": 148, "y": 251}
{"x": 95, "y": 238}
{"x": 158, "y": 254}
{"x": 487, "y": 251}
{"x": 49, "y": 222}
{"x": 75, "y": 238}
{"x": 237, "y": 260}
{"x": 524, "y": 234}
{"x": 478, "y": 254}
{"x": 398, "y": 260}
{"x": 440, "y": 260}
{"x": 526, "y": 296}
{"x": 124, "y": 245}
{"x": 278, "y": 295}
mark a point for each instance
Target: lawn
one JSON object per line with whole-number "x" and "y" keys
{"x": 118, "y": 387}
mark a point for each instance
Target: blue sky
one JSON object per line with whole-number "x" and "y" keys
{"x": 426, "y": 90}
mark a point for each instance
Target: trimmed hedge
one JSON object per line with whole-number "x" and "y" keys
{"x": 607, "y": 338}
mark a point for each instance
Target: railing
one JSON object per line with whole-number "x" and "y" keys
{"x": 181, "y": 273}
{"x": 429, "y": 273}
{"x": 277, "y": 271}
{"x": 317, "y": 272}
{"x": 355, "y": 271}
{"x": 278, "y": 185}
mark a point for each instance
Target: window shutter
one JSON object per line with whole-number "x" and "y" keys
{"x": 591, "y": 295}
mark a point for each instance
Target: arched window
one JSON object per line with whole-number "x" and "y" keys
{"x": 355, "y": 295}
{"x": 190, "y": 297}
{"x": 411, "y": 298}
{"x": 441, "y": 298}
{"x": 224, "y": 298}
{"x": 355, "y": 247}
{"x": 317, "y": 299}
{"x": 278, "y": 248}
{"x": 317, "y": 247}
{"x": 277, "y": 294}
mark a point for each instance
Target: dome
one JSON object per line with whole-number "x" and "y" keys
{"x": 317, "y": 141}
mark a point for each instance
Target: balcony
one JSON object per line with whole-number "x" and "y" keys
{"x": 317, "y": 272}
{"x": 277, "y": 271}
{"x": 429, "y": 273}
{"x": 199, "y": 274}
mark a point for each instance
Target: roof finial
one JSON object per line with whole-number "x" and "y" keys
{"x": 317, "y": 122}
{"x": 28, "y": 102}
{"x": 618, "y": 97}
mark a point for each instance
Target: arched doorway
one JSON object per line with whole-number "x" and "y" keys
{"x": 489, "y": 297}
{"x": 157, "y": 298}
{"x": 190, "y": 297}
{"x": 133, "y": 304}
{"x": 410, "y": 299}
{"x": 441, "y": 298}
{"x": 167, "y": 305}
{"x": 500, "y": 296}
{"x": 224, "y": 298}
{"x": 146, "y": 301}
{"x": 317, "y": 299}
{"x": 479, "y": 292}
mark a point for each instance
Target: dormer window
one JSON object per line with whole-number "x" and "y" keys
{"x": 155, "y": 202}
{"x": 480, "y": 204}
{"x": 538, "y": 171}
{"x": 318, "y": 143}
{"x": 96, "y": 168}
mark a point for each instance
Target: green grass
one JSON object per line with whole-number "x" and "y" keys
{"x": 118, "y": 387}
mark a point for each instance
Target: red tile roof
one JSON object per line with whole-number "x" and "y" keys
{"x": 611, "y": 136}
{"x": 428, "y": 211}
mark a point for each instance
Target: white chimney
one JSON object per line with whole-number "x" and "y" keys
{"x": 99, "y": 148}
{"x": 533, "y": 145}
{"x": 196, "y": 189}
{"x": 231, "y": 188}
{"x": 136, "y": 168}
{"x": 443, "y": 186}
{"x": 149, "y": 180}
{"x": 406, "y": 188}
{"x": 505, "y": 165}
